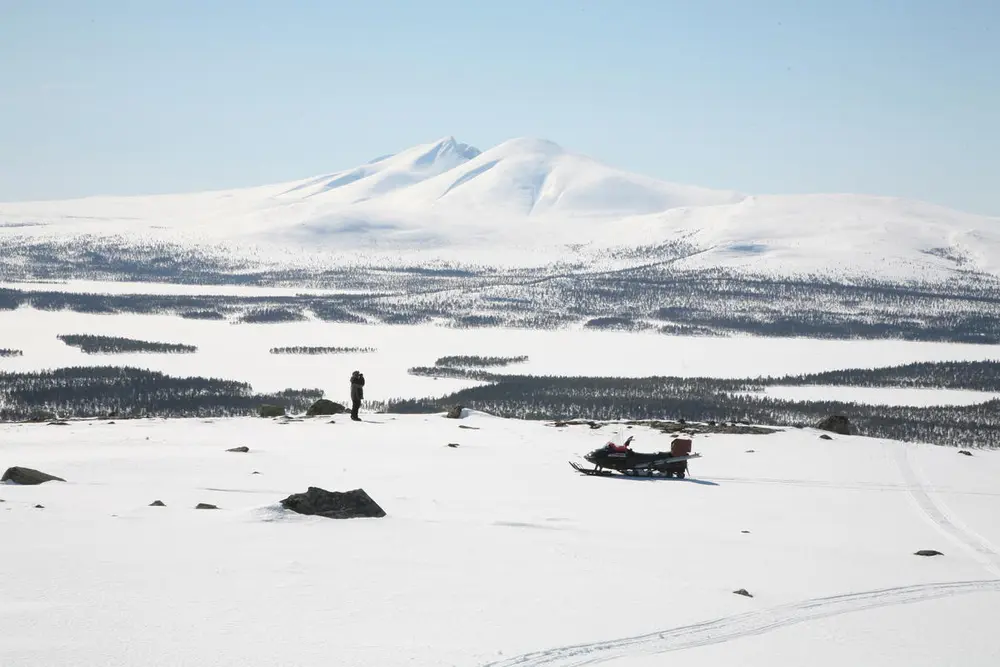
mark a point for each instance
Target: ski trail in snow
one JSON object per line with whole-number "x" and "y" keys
{"x": 938, "y": 514}
{"x": 742, "y": 625}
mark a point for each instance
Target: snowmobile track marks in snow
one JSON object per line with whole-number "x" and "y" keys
{"x": 743, "y": 625}
{"x": 937, "y": 513}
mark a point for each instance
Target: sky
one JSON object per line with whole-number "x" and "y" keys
{"x": 886, "y": 97}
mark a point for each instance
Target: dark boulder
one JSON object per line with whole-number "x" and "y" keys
{"x": 927, "y": 552}
{"x": 334, "y": 504}
{"x": 455, "y": 412}
{"x": 19, "y": 475}
{"x": 205, "y": 506}
{"x": 268, "y": 410}
{"x": 836, "y": 424}
{"x": 325, "y": 407}
{"x": 157, "y": 503}
{"x": 242, "y": 449}
{"x": 744, "y": 592}
{"x": 826, "y": 437}
{"x": 965, "y": 452}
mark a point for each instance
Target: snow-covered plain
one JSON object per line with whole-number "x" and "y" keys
{"x": 241, "y": 352}
{"x": 490, "y": 550}
{"x": 530, "y": 202}
{"x": 917, "y": 397}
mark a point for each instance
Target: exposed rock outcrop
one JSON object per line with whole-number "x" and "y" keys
{"x": 325, "y": 407}
{"x": 836, "y": 424}
{"x": 19, "y": 475}
{"x": 334, "y": 504}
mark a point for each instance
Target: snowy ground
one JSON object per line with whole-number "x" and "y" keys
{"x": 490, "y": 550}
{"x": 917, "y": 397}
{"x": 124, "y": 287}
{"x": 240, "y": 352}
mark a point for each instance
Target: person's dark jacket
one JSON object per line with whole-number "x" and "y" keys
{"x": 357, "y": 386}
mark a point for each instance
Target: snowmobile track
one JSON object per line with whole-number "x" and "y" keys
{"x": 743, "y": 625}
{"x": 984, "y": 552}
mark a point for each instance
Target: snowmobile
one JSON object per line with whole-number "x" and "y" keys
{"x": 614, "y": 459}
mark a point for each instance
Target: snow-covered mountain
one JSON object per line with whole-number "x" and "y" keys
{"x": 531, "y": 201}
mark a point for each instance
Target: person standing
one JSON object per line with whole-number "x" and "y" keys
{"x": 357, "y": 393}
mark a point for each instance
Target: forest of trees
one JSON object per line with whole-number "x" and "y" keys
{"x": 6, "y": 352}
{"x": 478, "y": 361}
{"x": 86, "y": 391}
{"x": 272, "y": 315}
{"x": 134, "y": 392}
{"x": 704, "y": 399}
{"x": 651, "y": 296}
{"x": 974, "y": 375}
{"x": 91, "y": 344}
{"x": 321, "y": 350}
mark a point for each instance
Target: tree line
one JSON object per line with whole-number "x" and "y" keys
{"x": 92, "y": 344}
{"x": 720, "y": 399}
{"x": 321, "y": 350}
{"x": 479, "y": 361}
{"x": 134, "y": 392}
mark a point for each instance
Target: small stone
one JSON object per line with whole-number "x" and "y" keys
{"x": 745, "y": 532}
{"x": 965, "y": 452}
{"x": 750, "y": 451}
{"x": 743, "y": 592}
{"x": 927, "y": 552}
{"x": 453, "y": 444}
{"x": 39, "y": 507}
{"x": 825, "y": 437}
{"x": 242, "y": 449}
{"x": 205, "y": 506}
{"x": 255, "y": 472}
{"x": 157, "y": 503}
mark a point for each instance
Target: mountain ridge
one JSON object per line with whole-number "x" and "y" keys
{"x": 450, "y": 199}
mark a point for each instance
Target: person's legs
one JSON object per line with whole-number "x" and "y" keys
{"x": 355, "y": 405}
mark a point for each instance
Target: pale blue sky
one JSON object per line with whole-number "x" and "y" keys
{"x": 894, "y": 97}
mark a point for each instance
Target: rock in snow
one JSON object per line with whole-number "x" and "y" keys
{"x": 268, "y": 410}
{"x": 927, "y": 552}
{"x": 836, "y": 424}
{"x": 242, "y": 449}
{"x": 334, "y": 504}
{"x": 19, "y": 475}
{"x": 325, "y": 407}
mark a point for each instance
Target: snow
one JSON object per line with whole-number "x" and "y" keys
{"x": 912, "y": 396}
{"x": 531, "y": 202}
{"x": 125, "y": 287}
{"x": 240, "y": 352}
{"x": 490, "y": 550}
